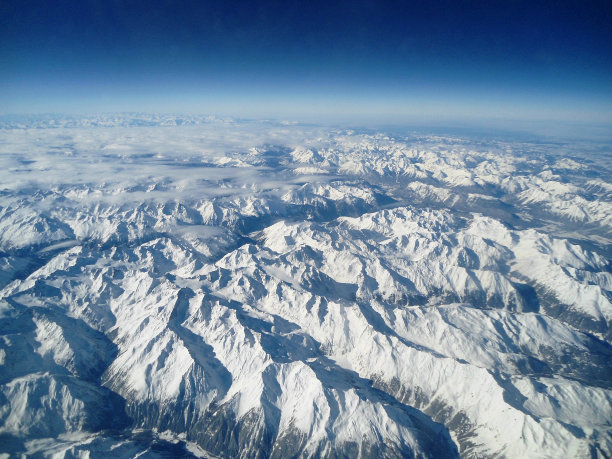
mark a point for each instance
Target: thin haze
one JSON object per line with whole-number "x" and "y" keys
{"x": 384, "y": 60}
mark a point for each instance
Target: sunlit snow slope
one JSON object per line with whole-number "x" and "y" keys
{"x": 185, "y": 286}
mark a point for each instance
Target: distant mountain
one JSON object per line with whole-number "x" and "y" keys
{"x": 193, "y": 287}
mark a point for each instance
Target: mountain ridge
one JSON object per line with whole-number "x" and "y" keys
{"x": 224, "y": 294}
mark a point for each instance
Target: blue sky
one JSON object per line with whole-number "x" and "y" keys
{"x": 386, "y": 60}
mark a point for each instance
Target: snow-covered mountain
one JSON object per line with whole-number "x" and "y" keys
{"x": 189, "y": 286}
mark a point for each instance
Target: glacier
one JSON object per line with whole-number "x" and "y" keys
{"x": 186, "y": 286}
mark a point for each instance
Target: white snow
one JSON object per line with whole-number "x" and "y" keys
{"x": 333, "y": 286}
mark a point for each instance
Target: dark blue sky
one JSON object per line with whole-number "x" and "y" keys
{"x": 388, "y": 59}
